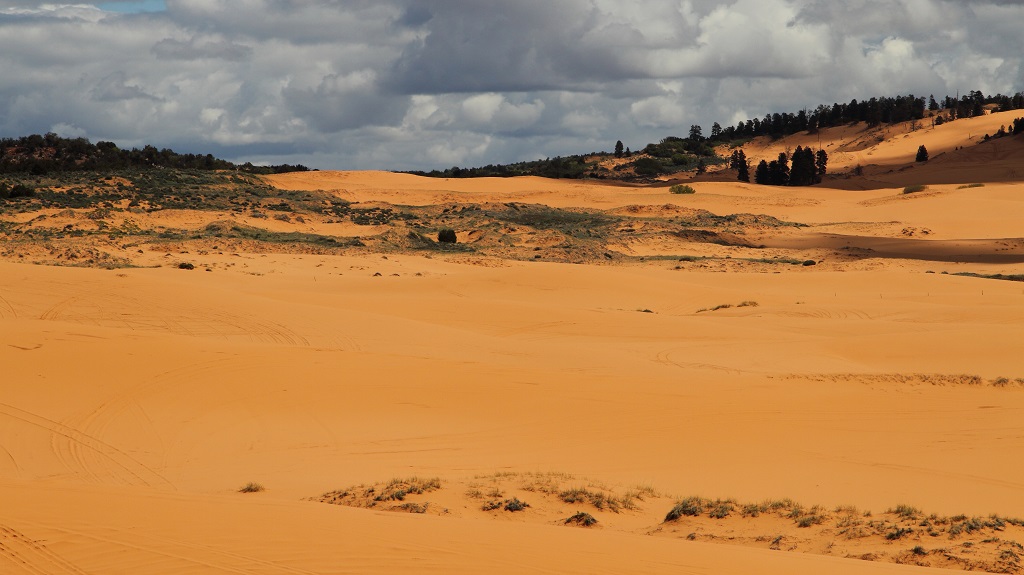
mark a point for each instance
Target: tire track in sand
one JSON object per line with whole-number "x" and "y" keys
{"x": 55, "y": 311}
{"x": 31, "y": 556}
{"x": 208, "y": 557}
{"x": 7, "y": 304}
{"x": 118, "y": 463}
{"x": 95, "y": 422}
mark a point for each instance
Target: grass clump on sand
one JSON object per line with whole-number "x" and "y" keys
{"x": 682, "y": 189}
{"x": 906, "y": 512}
{"x": 252, "y": 487}
{"x": 914, "y": 189}
{"x": 511, "y": 505}
{"x": 598, "y": 499}
{"x": 716, "y": 308}
{"x": 689, "y": 507}
{"x": 397, "y": 489}
{"x": 966, "y": 186}
{"x": 582, "y": 519}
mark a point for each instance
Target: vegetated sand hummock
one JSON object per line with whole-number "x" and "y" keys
{"x": 317, "y": 403}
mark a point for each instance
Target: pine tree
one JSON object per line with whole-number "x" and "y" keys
{"x": 737, "y": 159}
{"x": 803, "y": 171}
{"x": 761, "y": 174}
{"x": 618, "y": 149}
{"x": 779, "y": 175}
{"x": 922, "y": 154}
{"x": 743, "y": 172}
{"x": 821, "y": 165}
{"x": 774, "y": 173}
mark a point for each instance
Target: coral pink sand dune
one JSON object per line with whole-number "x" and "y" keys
{"x": 137, "y": 402}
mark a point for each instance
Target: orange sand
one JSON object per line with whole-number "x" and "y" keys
{"x": 137, "y": 401}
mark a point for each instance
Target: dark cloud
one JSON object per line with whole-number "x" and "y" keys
{"x": 115, "y": 87}
{"x": 171, "y": 49}
{"x": 428, "y": 83}
{"x": 345, "y": 102}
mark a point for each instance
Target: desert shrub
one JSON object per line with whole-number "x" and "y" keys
{"x": 682, "y": 189}
{"x": 574, "y": 495}
{"x": 251, "y": 487}
{"x": 412, "y": 507}
{"x": 647, "y": 167}
{"x": 918, "y": 550}
{"x": 689, "y": 507}
{"x": 906, "y": 511}
{"x": 598, "y": 499}
{"x": 753, "y": 510}
{"x": 897, "y": 533}
{"x": 966, "y": 186}
{"x": 716, "y": 308}
{"x": 914, "y": 189}
{"x": 515, "y": 504}
{"x": 805, "y": 521}
{"x": 186, "y": 266}
{"x": 397, "y": 489}
{"x": 447, "y": 236}
{"x": 721, "y": 509}
{"x": 582, "y": 519}
{"x": 808, "y": 263}
{"x": 15, "y": 191}
{"x": 815, "y": 516}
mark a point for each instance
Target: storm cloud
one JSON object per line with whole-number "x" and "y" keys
{"x": 410, "y": 84}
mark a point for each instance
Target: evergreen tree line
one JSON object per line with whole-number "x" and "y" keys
{"x": 1017, "y": 127}
{"x": 570, "y": 167}
{"x": 875, "y": 111}
{"x": 808, "y": 168}
{"x": 43, "y": 154}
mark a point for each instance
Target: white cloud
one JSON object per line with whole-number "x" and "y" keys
{"x": 426, "y": 83}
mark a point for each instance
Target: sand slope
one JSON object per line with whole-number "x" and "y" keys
{"x": 137, "y": 401}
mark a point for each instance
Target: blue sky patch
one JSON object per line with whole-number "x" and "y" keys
{"x": 134, "y": 6}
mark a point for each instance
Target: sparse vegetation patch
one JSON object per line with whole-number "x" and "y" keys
{"x": 251, "y": 487}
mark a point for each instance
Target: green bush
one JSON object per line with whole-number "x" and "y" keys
{"x": 682, "y": 189}
{"x": 648, "y": 167}
{"x": 447, "y": 236}
{"x": 914, "y": 189}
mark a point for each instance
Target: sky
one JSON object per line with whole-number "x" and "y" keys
{"x": 424, "y": 84}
